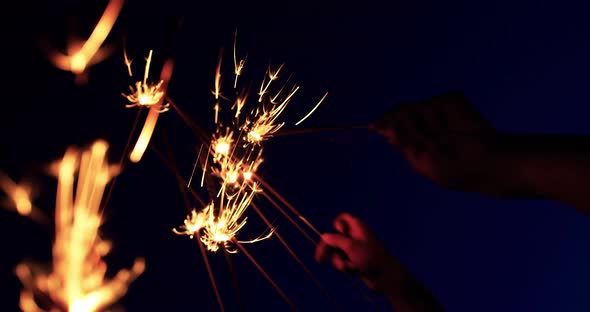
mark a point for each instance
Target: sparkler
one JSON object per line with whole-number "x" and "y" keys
{"x": 19, "y": 199}
{"x": 148, "y": 98}
{"x": 145, "y": 93}
{"x": 234, "y": 153}
{"x": 82, "y": 54}
{"x": 76, "y": 281}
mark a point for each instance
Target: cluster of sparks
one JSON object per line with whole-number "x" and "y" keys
{"x": 77, "y": 280}
{"x": 234, "y": 153}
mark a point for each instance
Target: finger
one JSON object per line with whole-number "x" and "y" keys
{"x": 340, "y": 263}
{"x": 461, "y": 113}
{"x": 341, "y": 225}
{"x": 339, "y": 241}
{"x": 385, "y": 124}
{"x": 386, "y": 131}
{"x": 351, "y": 226}
{"x": 322, "y": 251}
{"x": 384, "y": 121}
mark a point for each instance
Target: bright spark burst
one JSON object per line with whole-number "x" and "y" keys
{"x": 233, "y": 157}
{"x": 150, "y": 122}
{"x": 76, "y": 281}
{"x": 145, "y": 93}
{"x": 219, "y": 231}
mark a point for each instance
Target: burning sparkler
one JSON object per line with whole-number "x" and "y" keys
{"x": 152, "y": 96}
{"x": 76, "y": 281}
{"x": 234, "y": 154}
{"x": 145, "y": 93}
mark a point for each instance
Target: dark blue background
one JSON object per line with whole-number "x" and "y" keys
{"x": 525, "y": 65}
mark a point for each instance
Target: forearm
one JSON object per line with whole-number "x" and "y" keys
{"x": 406, "y": 294}
{"x": 555, "y": 167}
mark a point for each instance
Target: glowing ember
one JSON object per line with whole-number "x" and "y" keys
{"x": 76, "y": 280}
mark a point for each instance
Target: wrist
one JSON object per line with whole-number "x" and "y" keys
{"x": 408, "y": 294}
{"x": 507, "y": 167}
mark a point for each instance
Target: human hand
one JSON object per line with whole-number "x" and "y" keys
{"x": 355, "y": 249}
{"x": 445, "y": 139}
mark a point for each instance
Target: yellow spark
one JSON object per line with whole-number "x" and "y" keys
{"x": 194, "y": 222}
{"x": 216, "y": 109}
{"x": 216, "y": 232}
{"x": 312, "y": 110}
{"x": 127, "y": 63}
{"x": 238, "y": 66}
{"x": 239, "y": 104}
{"x": 77, "y": 281}
{"x": 217, "y": 91}
{"x": 145, "y": 93}
{"x": 264, "y": 126}
{"x": 150, "y": 121}
{"x": 221, "y": 145}
{"x": 272, "y": 76}
{"x": 78, "y": 59}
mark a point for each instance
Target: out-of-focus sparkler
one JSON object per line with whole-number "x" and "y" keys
{"x": 82, "y": 54}
{"x": 19, "y": 199}
{"x": 76, "y": 280}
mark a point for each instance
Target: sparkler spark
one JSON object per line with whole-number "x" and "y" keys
{"x": 219, "y": 231}
{"x": 312, "y": 110}
{"x": 238, "y": 65}
{"x": 76, "y": 281}
{"x": 150, "y": 121}
{"x": 145, "y": 93}
{"x": 235, "y": 150}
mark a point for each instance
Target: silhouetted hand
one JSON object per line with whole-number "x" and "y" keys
{"x": 355, "y": 249}
{"x": 444, "y": 138}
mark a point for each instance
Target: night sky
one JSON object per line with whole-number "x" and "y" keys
{"x": 525, "y": 66}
